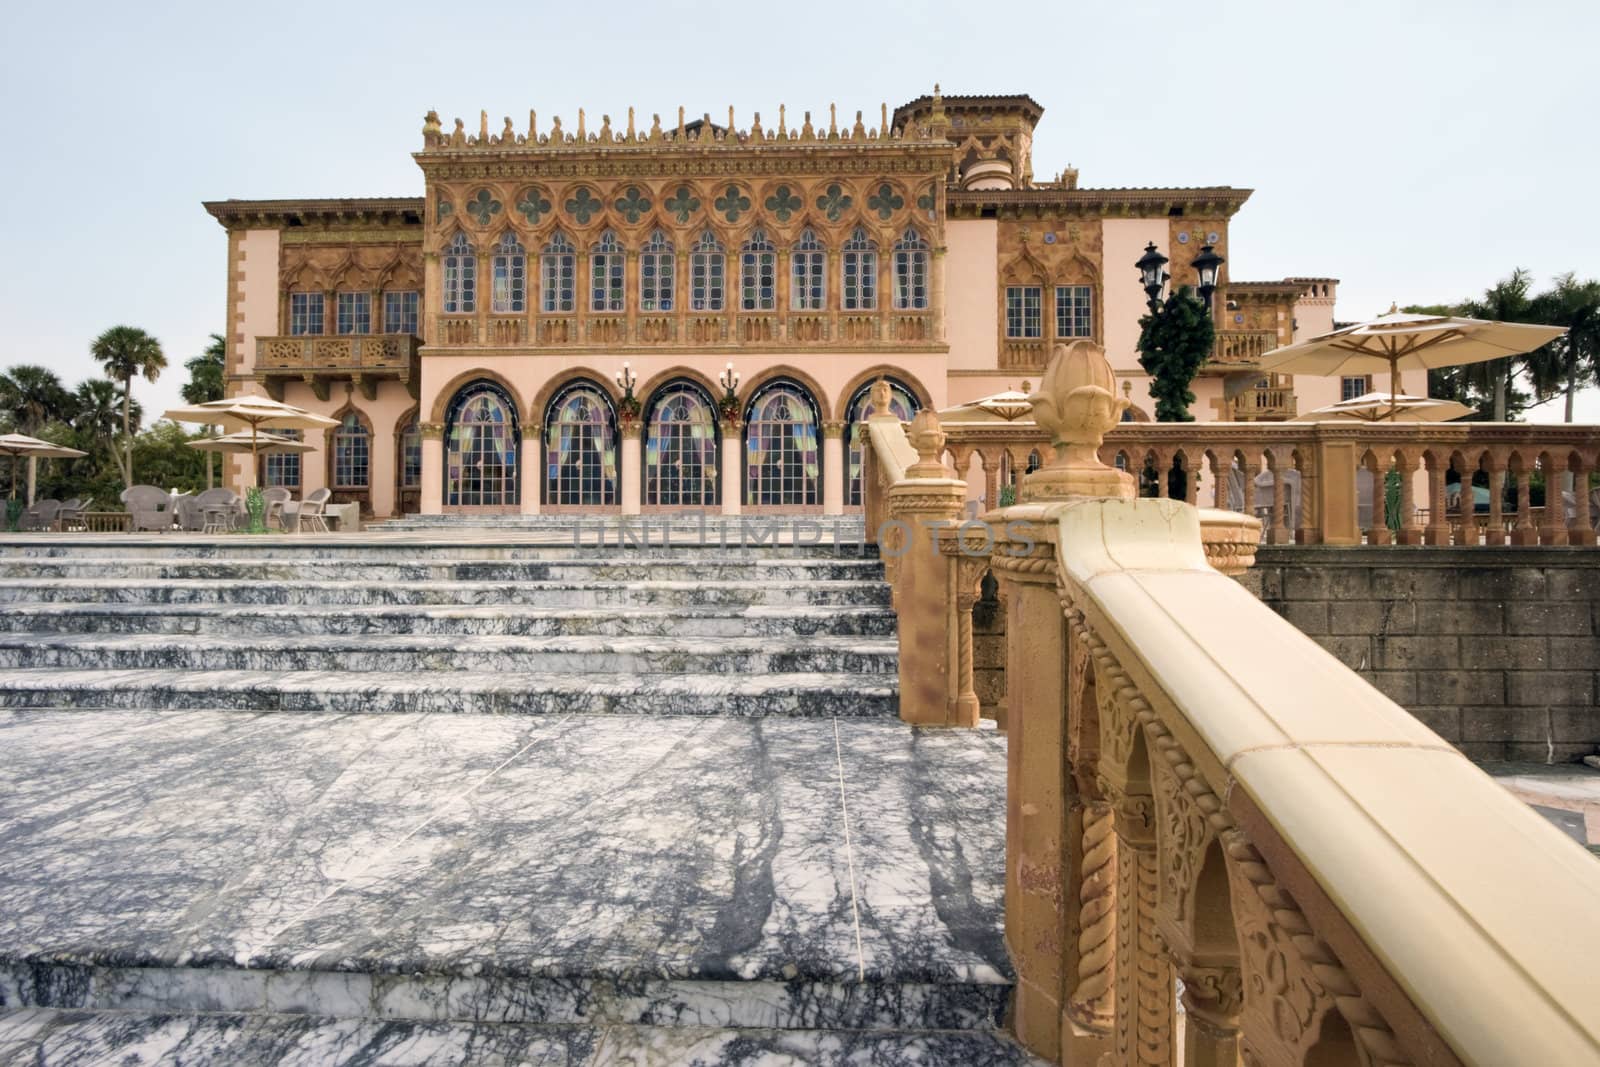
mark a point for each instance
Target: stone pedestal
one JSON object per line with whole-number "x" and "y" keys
{"x": 532, "y": 474}
{"x": 632, "y": 469}
{"x": 833, "y": 468}
{"x": 732, "y": 467}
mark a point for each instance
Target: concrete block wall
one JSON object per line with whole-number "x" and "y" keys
{"x": 1496, "y": 649}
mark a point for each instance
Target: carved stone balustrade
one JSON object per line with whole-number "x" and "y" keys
{"x": 1349, "y": 483}
{"x": 1236, "y": 348}
{"x": 364, "y": 359}
{"x": 1200, "y": 797}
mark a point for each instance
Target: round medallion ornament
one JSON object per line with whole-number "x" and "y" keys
{"x": 1183, "y": 238}
{"x": 1049, "y": 238}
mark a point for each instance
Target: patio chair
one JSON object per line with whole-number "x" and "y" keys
{"x": 310, "y": 514}
{"x": 276, "y": 497}
{"x": 41, "y": 516}
{"x": 150, "y": 506}
{"x": 216, "y": 509}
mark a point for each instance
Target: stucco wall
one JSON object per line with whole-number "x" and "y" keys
{"x": 254, "y": 306}
{"x": 1125, "y": 240}
{"x": 972, "y": 315}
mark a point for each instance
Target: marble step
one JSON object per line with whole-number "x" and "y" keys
{"x": 401, "y": 569}
{"x": 803, "y": 695}
{"x": 270, "y": 620}
{"x": 551, "y": 594}
{"x": 400, "y": 654}
{"x": 378, "y": 548}
{"x": 132, "y": 1039}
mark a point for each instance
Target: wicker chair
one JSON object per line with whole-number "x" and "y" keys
{"x": 41, "y": 516}
{"x": 276, "y": 497}
{"x": 214, "y": 507}
{"x": 150, "y": 506}
{"x": 310, "y": 514}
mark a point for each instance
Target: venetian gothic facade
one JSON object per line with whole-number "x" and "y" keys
{"x": 628, "y": 317}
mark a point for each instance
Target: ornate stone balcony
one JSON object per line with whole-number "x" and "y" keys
{"x": 1241, "y": 348}
{"x": 1022, "y": 355}
{"x": 364, "y": 359}
{"x": 1272, "y": 403}
{"x": 839, "y": 331}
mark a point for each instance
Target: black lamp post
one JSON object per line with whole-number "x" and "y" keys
{"x": 1207, "y": 265}
{"x": 1152, "y": 275}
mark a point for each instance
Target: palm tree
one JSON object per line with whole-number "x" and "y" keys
{"x": 1508, "y": 300}
{"x": 1569, "y": 360}
{"x": 126, "y": 352}
{"x": 99, "y": 412}
{"x": 205, "y": 373}
{"x": 33, "y": 396}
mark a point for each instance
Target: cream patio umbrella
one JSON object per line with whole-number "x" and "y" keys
{"x": 253, "y": 413}
{"x": 1401, "y": 341}
{"x": 240, "y": 442}
{"x": 1008, "y": 406}
{"x": 1387, "y": 407}
{"x": 18, "y": 445}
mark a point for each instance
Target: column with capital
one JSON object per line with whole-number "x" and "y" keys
{"x": 732, "y": 473}
{"x": 432, "y": 497}
{"x": 936, "y": 296}
{"x": 632, "y": 462}
{"x": 532, "y": 475}
{"x": 834, "y": 474}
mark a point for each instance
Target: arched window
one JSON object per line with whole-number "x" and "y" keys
{"x": 510, "y": 277}
{"x": 411, "y": 455}
{"x": 580, "y": 447}
{"x": 860, "y": 267}
{"x": 656, "y": 266}
{"x": 481, "y": 448}
{"x": 283, "y": 468}
{"x": 809, "y": 290}
{"x": 559, "y": 262}
{"x": 680, "y": 448}
{"x": 758, "y": 273}
{"x": 352, "y": 453}
{"x": 910, "y": 272}
{"x": 902, "y": 404}
{"x": 606, "y": 265}
{"x": 460, "y": 276}
{"x": 782, "y": 466}
{"x": 705, "y": 274}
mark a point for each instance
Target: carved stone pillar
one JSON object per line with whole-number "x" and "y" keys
{"x": 926, "y": 498}
{"x": 532, "y": 481}
{"x": 732, "y": 465}
{"x": 632, "y": 467}
{"x": 1278, "y": 533}
{"x": 431, "y": 501}
{"x": 1553, "y": 530}
{"x": 1410, "y": 533}
{"x": 991, "y": 483}
{"x": 1378, "y": 524}
{"x": 834, "y": 474}
{"x": 1212, "y": 999}
{"x": 1582, "y": 531}
{"x": 968, "y": 561}
{"x": 1525, "y": 533}
{"x": 1438, "y": 531}
{"x": 1144, "y": 1000}
{"x": 1496, "y": 533}
{"x": 937, "y": 300}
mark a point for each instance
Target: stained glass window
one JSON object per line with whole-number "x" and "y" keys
{"x": 1022, "y": 311}
{"x": 560, "y": 267}
{"x": 354, "y": 313}
{"x": 580, "y": 448}
{"x": 283, "y": 468}
{"x": 782, "y": 464}
{"x": 606, "y": 266}
{"x": 758, "y": 273}
{"x": 411, "y": 455}
{"x": 352, "y": 453}
{"x": 305, "y": 313}
{"x": 902, "y": 403}
{"x": 460, "y": 276}
{"x": 910, "y": 272}
{"x": 510, "y": 277}
{"x": 481, "y": 445}
{"x": 400, "y": 311}
{"x": 860, "y": 267}
{"x": 680, "y": 448}
{"x": 1074, "y": 311}
{"x": 656, "y": 265}
{"x": 705, "y": 274}
{"x": 809, "y": 284}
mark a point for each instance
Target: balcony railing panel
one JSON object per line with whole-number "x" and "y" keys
{"x": 346, "y": 352}
{"x": 1242, "y": 346}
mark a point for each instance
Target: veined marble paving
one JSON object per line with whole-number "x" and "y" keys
{"x": 470, "y": 868}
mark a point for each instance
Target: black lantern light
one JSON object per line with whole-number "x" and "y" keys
{"x": 1151, "y": 274}
{"x": 1207, "y": 265}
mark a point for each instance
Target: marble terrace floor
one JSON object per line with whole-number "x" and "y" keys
{"x": 635, "y": 892}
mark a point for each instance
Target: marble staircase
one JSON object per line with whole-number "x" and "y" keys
{"x": 416, "y": 798}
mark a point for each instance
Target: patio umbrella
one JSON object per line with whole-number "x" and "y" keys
{"x": 255, "y": 413}
{"x": 239, "y": 442}
{"x": 17, "y": 445}
{"x": 1008, "y": 406}
{"x": 1380, "y": 407}
{"x": 1400, "y": 341}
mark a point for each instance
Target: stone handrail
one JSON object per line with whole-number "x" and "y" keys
{"x": 1337, "y": 504}
{"x": 1197, "y": 791}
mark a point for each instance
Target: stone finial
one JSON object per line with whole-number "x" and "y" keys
{"x": 883, "y": 127}
{"x": 783, "y": 129}
{"x": 681, "y": 125}
{"x": 730, "y": 120}
{"x": 806, "y": 132}
{"x": 605, "y": 129}
{"x": 1077, "y": 404}
{"x": 431, "y": 133}
{"x": 483, "y": 127}
{"x": 508, "y": 134}
{"x": 833, "y": 122}
{"x": 458, "y": 137}
{"x": 858, "y": 131}
{"x": 655, "y": 127}
{"x": 928, "y": 440}
{"x": 533, "y": 126}
{"x": 881, "y": 396}
{"x": 582, "y": 135}
{"x": 755, "y": 129}
{"x": 1069, "y": 177}
{"x": 555, "y": 130}
{"x": 630, "y": 126}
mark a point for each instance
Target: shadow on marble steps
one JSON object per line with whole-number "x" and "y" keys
{"x": 379, "y": 692}
{"x": 449, "y": 620}
{"x": 605, "y": 568}
{"x": 45, "y": 1036}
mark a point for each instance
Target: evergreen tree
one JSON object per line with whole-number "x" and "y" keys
{"x": 1174, "y": 342}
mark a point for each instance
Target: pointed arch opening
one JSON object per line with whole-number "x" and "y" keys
{"x": 483, "y": 445}
{"x": 782, "y": 460}
{"x": 580, "y": 458}
{"x": 682, "y": 462}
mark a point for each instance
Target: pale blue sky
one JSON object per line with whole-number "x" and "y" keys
{"x": 1417, "y": 151}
